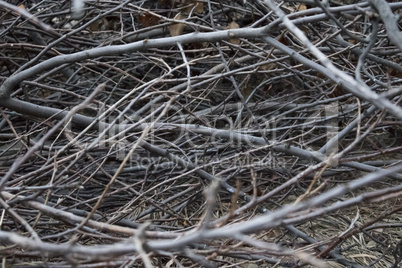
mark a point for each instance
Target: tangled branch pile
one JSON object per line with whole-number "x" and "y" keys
{"x": 200, "y": 133}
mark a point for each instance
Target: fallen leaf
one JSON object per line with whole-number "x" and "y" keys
{"x": 233, "y": 25}
{"x": 176, "y": 29}
{"x": 199, "y": 8}
{"x": 191, "y": 5}
{"x": 301, "y": 7}
{"x": 147, "y": 19}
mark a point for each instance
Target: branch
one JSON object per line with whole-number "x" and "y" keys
{"x": 390, "y": 20}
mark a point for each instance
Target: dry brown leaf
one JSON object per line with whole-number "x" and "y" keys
{"x": 268, "y": 67}
{"x": 233, "y": 25}
{"x": 177, "y": 28}
{"x": 301, "y": 7}
{"x": 199, "y": 8}
{"x": 394, "y": 72}
{"x": 99, "y": 25}
{"x": 292, "y": 8}
{"x": 192, "y": 5}
{"x": 282, "y": 38}
{"x": 147, "y": 19}
{"x": 246, "y": 91}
